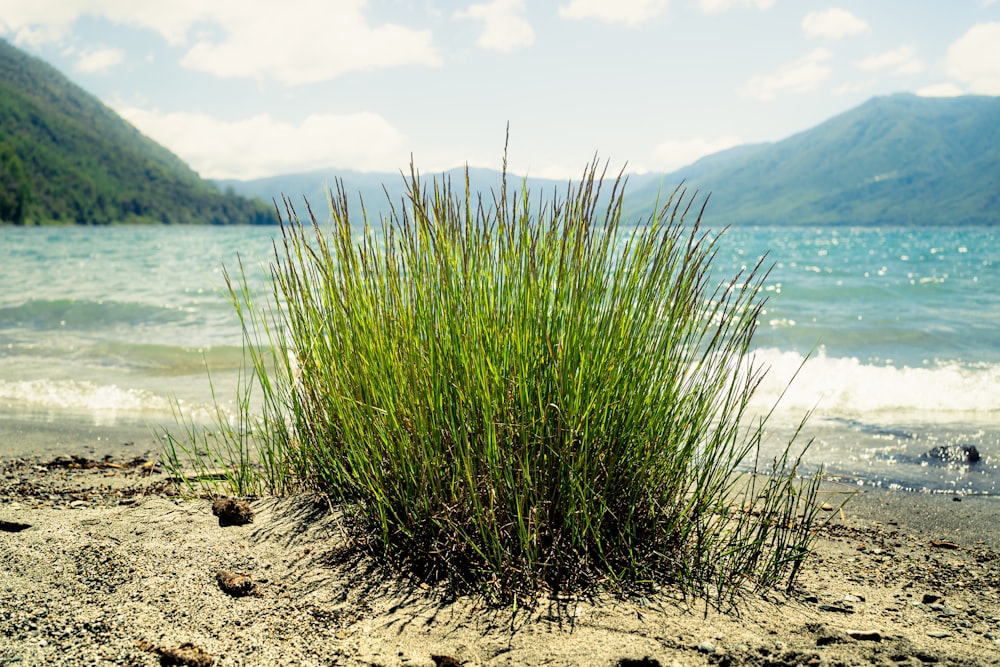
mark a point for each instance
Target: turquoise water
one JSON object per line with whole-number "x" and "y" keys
{"x": 103, "y": 330}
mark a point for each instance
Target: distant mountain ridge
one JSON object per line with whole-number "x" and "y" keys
{"x": 900, "y": 159}
{"x": 894, "y": 160}
{"x": 375, "y": 189}
{"x": 67, "y": 158}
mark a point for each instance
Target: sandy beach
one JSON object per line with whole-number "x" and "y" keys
{"x": 103, "y": 564}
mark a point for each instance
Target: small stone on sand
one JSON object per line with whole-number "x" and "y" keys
{"x": 232, "y": 512}
{"x": 186, "y": 655}
{"x": 237, "y": 585}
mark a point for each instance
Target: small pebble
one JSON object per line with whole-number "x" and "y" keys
{"x": 943, "y": 610}
{"x": 236, "y": 585}
{"x": 232, "y": 512}
{"x": 835, "y": 608}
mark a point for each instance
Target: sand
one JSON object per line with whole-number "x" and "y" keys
{"x": 104, "y": 566}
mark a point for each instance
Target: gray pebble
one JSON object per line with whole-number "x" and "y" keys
{"x": 942, "y": 609}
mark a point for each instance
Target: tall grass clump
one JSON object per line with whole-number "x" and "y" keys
{"x": 520, "y": 395}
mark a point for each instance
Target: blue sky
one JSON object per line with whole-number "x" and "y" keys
{"x": 249, "y": 88}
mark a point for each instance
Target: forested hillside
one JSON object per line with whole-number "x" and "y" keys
{"x": 901, "y": 160}
{"x": 65, "y": 157}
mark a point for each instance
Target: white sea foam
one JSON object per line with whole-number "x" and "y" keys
{"x": 107, "y": 404}
{"x": 847, "y": 387}
{"x": 81, "y": 396}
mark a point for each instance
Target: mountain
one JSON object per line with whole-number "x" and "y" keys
{"x": 67, "y": 158}
{"x": 900, "y": 159}
{"x": 312, "y": 187}
{"x": 375, "y": 190}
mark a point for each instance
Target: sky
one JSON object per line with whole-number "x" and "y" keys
{"x": 245, "y": 89}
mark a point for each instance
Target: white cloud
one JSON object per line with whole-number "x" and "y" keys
{"x": 36, "y": 23}
{"x": 631, "y": 13}
{"x": 941, "y": 90}
{"x": 717, "y": 6}
{"x": 671, "y": 154}
{"x": 504, "y": 27}
{"x": 974, "y": 59}
{"x": 293, "y": 42}
{"x": 803, "y": 75}
{"x": 260, "y": 146}
{"x": 833, "y": 23}
{"x": 42, "y": 21}
{"x": 99, "y": 60}
{"x": 854, "y": 87}
{"x": 563, "y": 170}
{"x": 901, "y": 61}
{"x": 318, "y": 50}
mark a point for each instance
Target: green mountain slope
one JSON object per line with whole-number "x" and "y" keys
{"x": 900, "y": 159}
{"x": 67, "y": 158}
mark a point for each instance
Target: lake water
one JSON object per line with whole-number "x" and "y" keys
{"x": 102, "y": 330}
